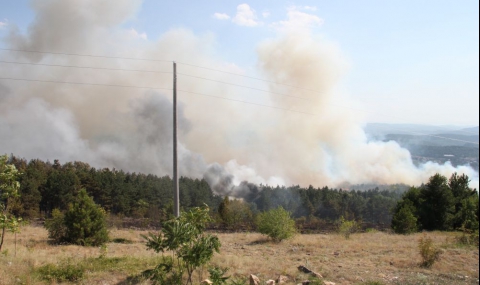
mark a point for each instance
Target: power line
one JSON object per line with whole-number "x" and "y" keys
{"x": 160, "y": 60}
{"x": 203, "y": 67}
{"x": 201, "y": 94}
{"x": 251, "y": 77}
{"x": 238, "y": 85}
{"x": 83, "y": 67}
{"x": 247, "y": 102}
{"x": 84, "y": 83}
{"x": 87, "y": 55}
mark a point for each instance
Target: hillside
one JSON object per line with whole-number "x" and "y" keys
{"x": 432, "y": 143}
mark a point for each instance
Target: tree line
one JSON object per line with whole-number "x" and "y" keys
{"x": 46, "y": 186}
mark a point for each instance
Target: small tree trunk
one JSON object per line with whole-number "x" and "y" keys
{"x": 1, "y": 240}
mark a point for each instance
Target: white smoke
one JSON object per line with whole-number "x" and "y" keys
{"x": 225, "y": 142}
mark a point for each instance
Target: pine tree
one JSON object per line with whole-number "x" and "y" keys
{"x": 85, "y": 222}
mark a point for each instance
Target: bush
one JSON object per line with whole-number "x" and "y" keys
{"x": 191, "y": 247}
{"x": 217, "y": 275}
{"x": 277, "y": 224}
{"x": 428, "y": 251}
{"x": 63, "y": 273}
{"x": 404, "y": 221}
{"x": 84, "y": 223}
{"x": 56, "y": 226}
{"x": 346, "y": 227}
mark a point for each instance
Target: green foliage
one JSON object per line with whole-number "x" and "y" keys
{"x": 235, "y": 213}
{"x": 83, "y": 223}
{"x": 441, "y": 204}
{"x": 277, "y": 224}
{"x": 428, "y": 251}
{"x": 468, "y": 238}
{"x": 217, "y": 275}
{"x": 437, "y": 206}
{"x": 346, "y": 227}
{"x": 56, "y": 226}
{"x": 404, "y": 221}
{"x": 9, "y": 191}
{"x": 62, "y": 273}
{"x": 191, "y": 247}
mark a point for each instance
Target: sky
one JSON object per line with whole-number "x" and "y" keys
{"x": 408, "y": 61}
{"x": 270, "y": 92}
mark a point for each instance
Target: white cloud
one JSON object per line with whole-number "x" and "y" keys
{"x": 310, "y": 8}
{"x": 298, "y": 20}
{"x": 266, "y": 14}
{"x": 134, "y": 35}
{"x": 221, "y": 16}
{"x": 3, "y": 23}
{"x": 245, "y": 16}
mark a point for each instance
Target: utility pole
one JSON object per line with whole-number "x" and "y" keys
{"x": 176, "y": 196}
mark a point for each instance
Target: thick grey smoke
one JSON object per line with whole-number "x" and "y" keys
{"x": 225, "y": 142}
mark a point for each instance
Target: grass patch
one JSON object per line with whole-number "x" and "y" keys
{"x": 121, "y": 240}
{"x": 73, "y": 272}
{"x": 61, "y": 273}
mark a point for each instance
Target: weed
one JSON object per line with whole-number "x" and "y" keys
{"x": 62, "y": 273}
{"x": 346, "y": 227}
{"x": 103, "y": 251}
{"x": 428, "y": 251}
{"x": 217, "y": 275}
{"x": 237, "y": 281}
{"x": 122, "y": 241}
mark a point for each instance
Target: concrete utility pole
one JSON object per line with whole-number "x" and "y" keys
{"x": 176, "y": 196}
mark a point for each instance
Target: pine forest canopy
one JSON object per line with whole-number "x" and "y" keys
{"x": 46, "y": 186}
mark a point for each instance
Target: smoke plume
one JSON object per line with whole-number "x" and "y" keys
{"x": 225, "y": 142}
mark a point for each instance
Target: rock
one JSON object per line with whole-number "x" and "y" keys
{"x": 270, "y": 282}
{"x": 328, "y": 283}
{"x": 254, "y": 280}
{"x": 316, "y": 274}
{"x": 206, "y": 282}
{"x": 282, "y": 279}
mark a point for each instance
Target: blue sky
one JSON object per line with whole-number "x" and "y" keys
{"x": 417, "y": 61}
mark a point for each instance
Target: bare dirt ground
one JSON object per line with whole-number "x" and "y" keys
{"x": 365, "y": 257}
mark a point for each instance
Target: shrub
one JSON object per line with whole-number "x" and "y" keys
{"x": 428, "y": 251}
{"x": 191, "y": 247}
{"x": 468, "y": 237}
{"x": 217, "y": 275}
{"x": 277, "y": 224}
{"x": 84, "y": 223}
{"x": 62, "y": 273}
{"x": 56, "y": 226}
{"x": 346, "y": 227}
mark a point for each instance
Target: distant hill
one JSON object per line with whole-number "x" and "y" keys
{"x": 440, "y": 144}
{"x": 424, "y": 134}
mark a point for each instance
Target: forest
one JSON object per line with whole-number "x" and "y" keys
{"x": 146, "y": 200}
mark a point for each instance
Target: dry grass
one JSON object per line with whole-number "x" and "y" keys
{"x": 389, "y": 259}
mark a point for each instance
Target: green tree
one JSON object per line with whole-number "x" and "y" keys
{"x": 9, "y": 190}
{"x": 438, "y": 204}
{"x": 84, "y": 223}
{"x": 276, "y": 223}
{"x": 464, "y": 198}
{"x": 404, "y": 220}
{"x": 185, "y": 237}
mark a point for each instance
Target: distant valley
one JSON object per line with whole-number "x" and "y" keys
{"x": 432, "y": 143}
